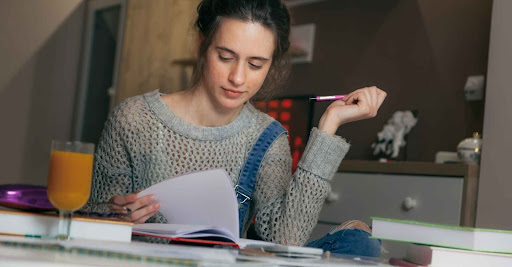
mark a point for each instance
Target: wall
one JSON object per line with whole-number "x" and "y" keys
{"x": 156, "y": 33}
{"x": 420, "y": 52}
{"x": 39, "y": 55}
{"x": 494, "y": 198}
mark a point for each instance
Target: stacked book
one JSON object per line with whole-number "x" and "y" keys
{"x": 445, "y": 245}
{"x": 44, "y": 225}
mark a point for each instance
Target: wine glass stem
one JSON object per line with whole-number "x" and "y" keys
{"x": 64, "y": 224}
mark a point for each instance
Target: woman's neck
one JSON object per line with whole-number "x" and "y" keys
{"x": 195, "y": 107}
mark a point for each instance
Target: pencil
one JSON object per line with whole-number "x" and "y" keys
{"x": 327, "y": 98}
{"x": 21, "y": 235}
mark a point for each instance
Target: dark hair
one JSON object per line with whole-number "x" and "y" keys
{"x": 271, "y": 14}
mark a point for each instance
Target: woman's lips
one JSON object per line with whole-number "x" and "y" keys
{"x": 232, "y": 93}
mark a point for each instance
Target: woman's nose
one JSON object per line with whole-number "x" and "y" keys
{"x": 237, "y": 74}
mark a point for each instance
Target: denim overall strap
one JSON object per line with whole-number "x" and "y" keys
{"x": 247, "y": 180}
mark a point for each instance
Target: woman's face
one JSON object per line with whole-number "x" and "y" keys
{"x": 237, "y": 62}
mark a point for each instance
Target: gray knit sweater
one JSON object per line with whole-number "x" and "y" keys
{"x": 144, "y": 143}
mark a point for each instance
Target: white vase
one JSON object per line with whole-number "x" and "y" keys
{"x": 470, "y": 149}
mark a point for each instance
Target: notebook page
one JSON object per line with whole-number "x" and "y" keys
{"x": 198, "y": 198}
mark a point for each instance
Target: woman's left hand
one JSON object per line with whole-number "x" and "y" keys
{"x": 358, "y": 105}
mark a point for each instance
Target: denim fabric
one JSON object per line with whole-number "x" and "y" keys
{"x": 350, "y": 242}
{"x": 247, "y": 180}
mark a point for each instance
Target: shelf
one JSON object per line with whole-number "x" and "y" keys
{"x": 407, "y": 167}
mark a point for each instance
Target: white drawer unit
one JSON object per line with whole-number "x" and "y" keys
{"x": 359, "y": 196}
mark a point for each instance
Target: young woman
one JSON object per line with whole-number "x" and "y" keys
{"x": 242, "y": 52}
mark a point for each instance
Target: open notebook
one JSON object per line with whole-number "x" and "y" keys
{"x": 200, "y": 207}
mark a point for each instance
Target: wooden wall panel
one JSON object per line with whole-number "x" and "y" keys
{"x": 156, "y": 33}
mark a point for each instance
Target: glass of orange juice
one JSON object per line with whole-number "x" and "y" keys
{"x": 69, "y": 180}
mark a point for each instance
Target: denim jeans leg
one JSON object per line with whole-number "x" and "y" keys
{"x": 350, "y": 242}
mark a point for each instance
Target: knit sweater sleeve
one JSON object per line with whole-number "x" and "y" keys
{"x": 286, "y": 206}
{"x": 112, "y": 173}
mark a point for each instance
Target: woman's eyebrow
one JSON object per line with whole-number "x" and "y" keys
{"x": 233, "y": 52}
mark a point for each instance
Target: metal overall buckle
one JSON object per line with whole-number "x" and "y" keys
{"x": 244, "y": 195}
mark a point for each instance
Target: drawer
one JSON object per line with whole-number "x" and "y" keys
{"x": 361, "y": 195}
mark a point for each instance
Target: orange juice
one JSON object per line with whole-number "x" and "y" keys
{"x": 69, "y": 179}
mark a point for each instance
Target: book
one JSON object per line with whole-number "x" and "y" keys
{"x": 403, "y": 263}
{"x": 199, "y": 207}
{"x": 188, "y": 233}
{"x": 478, "y": 239}
{"x": 20, "y": 223}
{"x": 439, "y": 256}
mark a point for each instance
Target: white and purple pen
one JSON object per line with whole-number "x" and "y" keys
{"x": 327, "y": 98}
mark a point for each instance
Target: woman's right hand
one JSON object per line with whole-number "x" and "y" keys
{"x": 137, "y": 210}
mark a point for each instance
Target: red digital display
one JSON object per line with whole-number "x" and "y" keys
{"x": 295, "y": 114}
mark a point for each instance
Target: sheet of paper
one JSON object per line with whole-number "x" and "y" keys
{"x": 199, "y": 198}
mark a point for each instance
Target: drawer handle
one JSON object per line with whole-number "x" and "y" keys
{"x": 409, "y": 203}
{"x": 332, "y": 197}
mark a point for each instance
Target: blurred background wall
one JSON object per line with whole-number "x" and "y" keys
{"x": 39, "y": 59}
{"x": 420, "y": 52}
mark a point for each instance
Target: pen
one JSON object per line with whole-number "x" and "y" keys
{"x": 327, "y": 98}
{"x": 21, "y": 235}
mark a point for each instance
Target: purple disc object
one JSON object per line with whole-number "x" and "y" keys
{"x": 25, "y": 197}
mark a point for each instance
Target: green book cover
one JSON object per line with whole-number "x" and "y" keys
{"x": 450, "y": 236}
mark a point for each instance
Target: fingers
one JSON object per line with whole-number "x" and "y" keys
{"x": 137, "y": 210}
{"x": 117, "y": 209}
{"x": 381, "y": 95}
{"x": 349, "y": 99}
{"x": 375, "y": 99}
{"x": 361, "y": 104}
{"x": 367, "y": 105}
{"x": 369, "y": 100}
{"x": 123, "y": 200}
{"x": 118, "y": 203}
{"x": 361, "y": 98}
{"x": 143, "y": 214}
{"x": 140, "y": 203}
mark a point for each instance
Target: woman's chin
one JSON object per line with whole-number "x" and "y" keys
{"x": 232, "y": 104}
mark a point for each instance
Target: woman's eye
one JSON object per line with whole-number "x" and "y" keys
{"x": 224, "y": 58}
{"x": 254, "y": 66}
